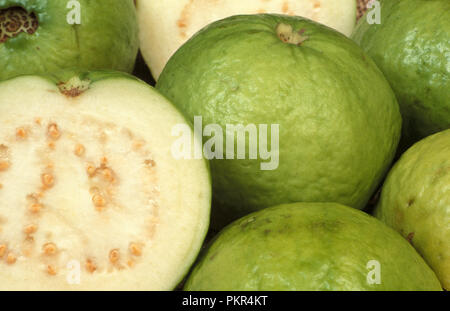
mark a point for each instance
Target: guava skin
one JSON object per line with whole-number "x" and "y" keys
{"x": 107, "y": 38}
{"x": 411, "y": 46}
{"x": 415, "y": 201}
{"x": 309, "y": 246}
{"x": 339, "y": 119}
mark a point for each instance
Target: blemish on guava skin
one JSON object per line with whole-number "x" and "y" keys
{"x": 213, "y": 256}
{"x": 245, "y": 223}
{"x": 411, "y": 201}
{"x": 410, "y": 237}
{"x": 15, "y": 20}
{"x": 287, "y": 34}
{"x": 267, "y": 231}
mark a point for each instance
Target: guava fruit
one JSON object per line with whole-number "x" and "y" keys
{"x": 411, "y": 46}
{"x": 334, "y": 121}
{"x": 166, "y": 24}
{"x": 415, "y": 201}
{"x": 310, "y": 246}
{"x": 91, "y": 196}
{"x": 46, "y": 36}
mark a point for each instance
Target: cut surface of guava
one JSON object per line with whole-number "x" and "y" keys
{"x": 310, "y": 246}
{"x": 415, "y": 201}
{"x": 166, "y": 24}
{"x": 91, "y": 196}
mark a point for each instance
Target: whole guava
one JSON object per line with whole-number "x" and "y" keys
{"x": 310, "y": 246}
{"x": 45, "y": 36}
{"x": 302, "y": 91}
{"x": 415, "y": 201}
{"x": 411, "y": 45}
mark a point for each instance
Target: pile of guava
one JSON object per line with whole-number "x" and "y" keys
{"x": 265, "y": 146}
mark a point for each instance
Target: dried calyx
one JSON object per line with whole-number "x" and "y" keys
{"x": 74, "y": 87}
{"x": 16, "y": 20}
{"x": 287, "y": 34}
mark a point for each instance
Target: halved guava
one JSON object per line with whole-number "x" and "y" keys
{"x": 91, "y": 196}
{"x": 166, "y": 24}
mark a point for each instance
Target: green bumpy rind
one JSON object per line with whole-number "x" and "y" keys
{"x": 339, "y": 119}
{"x": 310, "y": 246}
{"x": 416, "y": 201}
{"x": 106, "y": 39}
{"x": 412, "y": 48}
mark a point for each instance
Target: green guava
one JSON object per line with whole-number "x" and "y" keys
{"x": 45, "y": 36}
{"x": 334, "y": 121}
{"x": 411, "y": 46}
{"x": 310, "y": 246}
{"x": 91, "y": 196}
{"x": 415, "y": 201}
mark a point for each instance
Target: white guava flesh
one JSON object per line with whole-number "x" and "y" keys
{"x": 91, "y": 196}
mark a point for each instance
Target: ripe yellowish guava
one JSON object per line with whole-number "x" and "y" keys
{"x": 166, "y": 24}
{"x": 91, "y": 197}
{"x": 411, "y": 45}
{"x": 45, "y": 36}
{"x": 415, "y": 201}
{"x": 329, "y": 117}
{"x": 310, "y": 246}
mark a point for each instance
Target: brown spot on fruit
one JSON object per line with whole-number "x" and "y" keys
{"x": 47, "y": 180}
{"x": 30, "y": 229}
{"x": 4, "y": 165}
{"x": 108, "y": 174}
{"x": 51, "y": 270}
{"x": 114, "y": 256}
{"x": 21, "y": 133}
{"x": 411, "y": 201}
{"x": 53, "y": 131}
{"x": 135, "y": 249}
{"x": 285, "y": 7}
{"x": 35, "y": 208}
{"x": 183, "y": 21}
{"x": 410, "y": 237}
{"x": 150, "y": 163}
{"x": 2, "y": 250}
{"x": 11, "y": 259}
{"x": 90, "y": 266}
{"x": 79, "y": 150}
{"x": 99, "y": 201}
{"x": 91, "y": 169}
{"x": 49, "y": 249}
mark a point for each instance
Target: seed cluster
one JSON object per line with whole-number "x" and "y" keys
{"x": 103, "y": 181}
{"x": 16, "y": 20}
